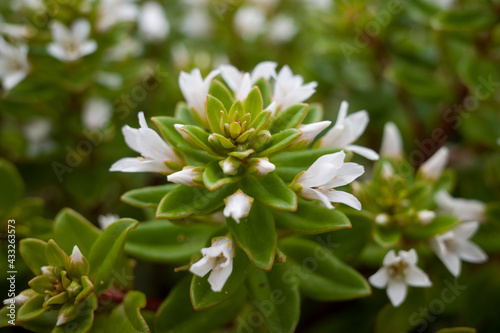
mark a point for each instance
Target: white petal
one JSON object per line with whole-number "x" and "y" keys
{"x": 202, "y": 266}
{"x": 310, "y": 131}
{"x": 264, "y": 167}
{"x": 232, "y": 76}
{"x": 390, "y": 258}
{"x": 88, "y": 47}
{"x": 11, "y": 80}
{"x": 132, "y": 164}
{"x": 392, "y": 143}
{"x": 265, "y": 70}
{"x": 346, "y": 174}
{"x": 417, "y": 277}
{"x": 81, "y": 29}
{"x": 238, "y": 205}
{"x": 344, "y": 106}
{"x": 313, "y": 194}
{"x": 245, "y": 87}
{"x": 434, "y": 166}
{"x": 358, "y": 122}
{"x": 410, "y": 256}
{"x": 380, "y": 278}
{"x": 396, "y": 290}
{"x": 107, "y": 220}
{"x": 185, "y": 176}
{"x": 345, "y": 198}
{"x": 152, "y": 145}
{"x": 466, "y": 230}
{"x": 363, "y": 151}
{"x": 470, "y": 252}
{"x": 57, "y": 51}
{"x": 322, "y": 170}
{"x": 219, "y": 276}
{"x": 59, "y": 31}
{"x": 131, "y": 136}
{"x": 76, "y": 255}
{"x": 452, "y": 262}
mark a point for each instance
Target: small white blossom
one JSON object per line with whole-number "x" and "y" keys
{"x": 434, "y": 166}
{"x": 107, "y": 220}
{"x": 382, "y": 219}
{"x": 125, "y": 48}
{"x": 112, "y": 12}
{"x": 454, "y": 246}
{"x": 444, "y": 4}
{"x": 290, "y": 89}
{"x": 37, "y": 134}
{"x": 96, "y": 112}
{"x": 76, "y": 255}
{"x": 71, "y": 44}
{"x": 197, "y": 23}
{"x": 326, "y": 173}
{"x": 319, "y": 4}
{"x": 392, "y": 144}
{"x": 29, "y": 4}
{"x": 426, "y": 216}
{"x": 241, "y": 83}
{"x": 153, "y": 23}
{"x": 229, "y": 167}
{"x": 249, "y": 22}
{"x": 282, "y": 29}
{"x": 195, "y": 90}
{"x": 387, "y": 170}
{"x": 186, "y": 176}
{"x": 155, "y": 152}
{"x": 465, "y": 209}
{"x": 263, "y": 166}
{"x": 310, "y": 131}
{"x": 110, "y": 80}
{"x": 348, "y": 129}
{"x": 397, "y": 273}
{"x": 219, "y": 259}
{"x": 238, "y": 205}
{"x": 14, "y": 66}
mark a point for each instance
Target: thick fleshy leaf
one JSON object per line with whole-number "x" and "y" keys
{"x": 202, "y": 295}
{"x": 254, "y": 103}
{"x": 32, "y": 309}
{"x": 469, "y": 20}
{"x": 166, "y": 126}
{"x": 55, "y": 255}
{"x": 311, "y": 218}
{"x": 321, "y": 275}
{"x": 33, "y": 253}
{"x": 289, "y": 118}
{"x": 13, "y": 186}
{"x": 126, "y": 317}
{"x": 199, "y": 137}
{"x": 256, "y": 235}
{"x": 185, "y": 200}
{"x": 106, "y": 252}
{"x": 265, "y": 90}
{"x": 261, "y": 120}
{"x": 183, "y": 113}
{"x": 147, "y": 196}
{"x": 222, "y": 93}
{"x": 278, "y": 301}
{"x": 270, "y": 190}
{"x": 439, "y": 225}
{"x": 214, "y": 177}
{"x": 214, "y": 115}
{"x": 83, "y": 322}
{"x": 163, "y": 241}
{"x": 280, "y": 141}
{"x": 176, "y": 313}
{"x": 73, "y": 229}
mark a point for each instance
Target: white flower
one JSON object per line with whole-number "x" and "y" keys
{"x": 290, "y": 89}
{"x": 425, "y": 216}
{"x": 17, "y": 300}
{"x": 310, "y": 131}
{"x": 238, "y": 205}
{"x": 195, "y": 90}
{"x": 465, "y": 209}
{"x": 37, "y": 133}
{"x": 249, "y": 22}
{"x": 110, "y": 80}
{"x": 14, "y": 66}
{"x": 186, "y": 176}
{"x": 454, "y": 245}
{"x": 327, "y": 172}
{"x": 348, "y": 129}
{"x": 96, "y": 112}
{"x": 217, "y": 258}
{"x": 263, "y": 166}
{"x": 15, "y": 31}
{"x": 392, "y": 144}
{"x": 111, "y": 12}
{"x": 434, "y": 166}
{"x": 125, "y": 48}
{"x": 197, "y": 23}
{"x": 153, "y": 23}
{"x": 282, "y": 29}
{"x": 397, "y": 273}
{"x": 180, "y": 55}
{"x": 387, "y": 170}
{"x": 76, "y": 255}
{"x": 155, "y": 152}
{"x": 382, "y": 219}
{"x": 71, "y": 44}
{"x": 241, "y": 83}
{"x": 444, "y": 4}
{"x": 319, "y": 4}
{"x": 29, "y": 4}
{"x": 107, "y": 220}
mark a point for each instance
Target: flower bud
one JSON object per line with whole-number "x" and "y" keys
{"x": 262, "y": 140}
{"x": 261, "y": 166}
{"x": 230, "y": 166}
{"x": 68, "y": 312}
{"x": 426, "y": 216}
{"x": 189, "y": 176}
{"x": 78, "y": 265}
{"x": 382, "y": 219}
{"x": 238, "y": 205}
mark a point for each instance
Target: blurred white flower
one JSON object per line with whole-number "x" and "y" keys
{"x": 106, "y": 220}
{"x": 425, "y": 216}
{"x": 15, "y": 31}
{"x": 217, "y": 258}
{"x": 186, "y": 176}
{"x": 319, "y": 4}
{"x": 326, "y": 173}
{"x": 348, "y": 129}
{"x": 14, "y": 66}
{"x": 282, "y": 29}
{"x": 180, "y": 55}
{"x": 96, "y": 112}
{"x": 29, "y": 4}
{"x": 195, "y": 90}
{"x": 153, "y": 23}
{"x": 434, "y": 166}
{"x": 397, "y": 273}
{"x": 443, "y": 4}
{"x": 454, "y": 246}
{"x": 249, "y": 22}
{"x": 112, "y": 12}
{"x": 196, "y": 23}
{"x": 108, "y": 79}
{"x": 392, "y": 144}
{"x": 37, "y": 133}
{"x": 290, "y": 89}
{"x": 238, "y": 205}
{"x": 125, "y": 48}
{"x": 71, "y": 44}
{"x": 156, "y": 154}
{"x": 265, "y": 4}
{"x": 465, "y": 209}
{"x": 241, "y": 83}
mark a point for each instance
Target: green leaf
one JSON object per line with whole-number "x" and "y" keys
{"x": 222, "y": 93}
{"x": 176, "y": 313}
{"x": 126, "y": 317}
{"x": 56, "y": 256}
{"x": 261, "y": 120}
{"x": 106, "y": 252}
{"x": 278, "y": 301}
{"x": 322, "y": 276}
{"x": 439, "y": 225}
{"x": 185, "y": 200}
{"x": 280, "y": 141}
{"x": 33, "y": 253}
{"x": 12, "y": 185}
{"x": 256, "y": 235}
{"x": 214, "y": 177}
{"x": 314, "y": 115}
{"x": 265, "y": 90}
{"x": 147, "y": 196}
{"x": 163, "y": 241}
{"x": 202, "y": 295}
{"x": 253, "y": 103}
{"x": 166, "y": 126}
{"x": 199, "y": 137}
{"x": 215, "y": 110}
{"x": 457, "y": 330}
{"x": 386, "y": 236}
{"x": 32, "y": 309}
{"x": 70, "y": 229}
{"x": 183, "y": 113}
{"x": 289, "y": 118}
{"x": 467, "y": 20}
{"x": 270, "y": 190}
{"x": 311, "y": 218}
{"x": 83, "y": 322}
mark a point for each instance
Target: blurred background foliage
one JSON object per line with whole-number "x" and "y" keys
{"x": 430, "y": 66}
